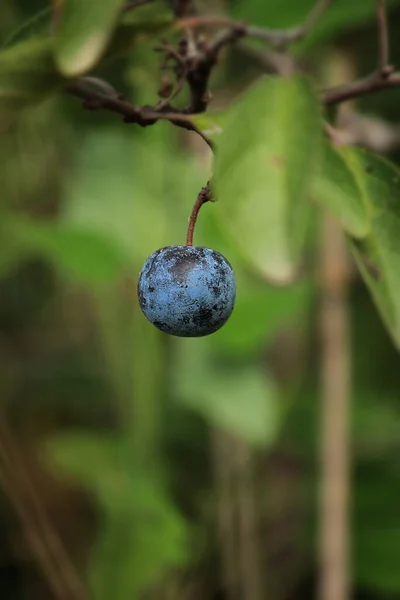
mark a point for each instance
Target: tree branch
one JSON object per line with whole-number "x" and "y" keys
{"x": 362, "y": 87}
{"x": 281, "y": 39}
{"x": 277, "y": 38}
{"x": 195, "y": 60}
{"x": 383, "y": 78}
{"x": 335, "y": 342}
{"x": 383, "y": 40}
{"x": 97, "y": 94}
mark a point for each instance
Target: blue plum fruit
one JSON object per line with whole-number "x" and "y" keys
{"x": 187, "y": 291}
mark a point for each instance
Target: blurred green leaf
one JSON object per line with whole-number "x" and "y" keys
{"x": 378, "y": 255}
{"x": 258, "y": 315}
{"x": 142, "y": 534}
{"x": 335, "y": 187}
{"x": 83, "y": 254}
{"x": 12, "y": 252}
{"x": 341, "y": 16}
{"x": 38, "y": 23}
{"x": 27, "y": 76}
{"x": 79, "y": 454}
{"x": 376, "y": 424}
{"x": 210, "y": 124}
{"x": 28, "y": 70}
{"x": 134, "y": 191}
{"x": 136, "y": 550}
{"x": 267, "y": 155}
{"x": 83, "y": 32}
{"x": 240, "y": 399}
{"x": 376, "y": 524}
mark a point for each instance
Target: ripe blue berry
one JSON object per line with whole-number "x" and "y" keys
{"x": 187, "y": 291}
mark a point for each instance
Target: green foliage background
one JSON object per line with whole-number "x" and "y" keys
{"x": 126, "y": 425}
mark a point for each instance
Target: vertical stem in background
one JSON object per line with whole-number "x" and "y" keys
{"x": 335, "y": 381}
{"x": 56, "y": 14}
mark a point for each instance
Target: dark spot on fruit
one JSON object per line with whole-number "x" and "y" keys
{"x": 218, "y": 260}
{"x": 203, "y": 316}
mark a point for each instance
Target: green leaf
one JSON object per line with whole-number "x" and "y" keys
{"x": 38, "y": 23}
{"x": 135, "y": 550}
{"x": 84, "y": 30}
{"x": 376, "y": 526}
{"x": 341, "y": 16}
{"x": 12, "y": 252}
{"x": 142, "y": 534}
{"x": 27, "y": 76}
{"x": 140, "y": 25}
{"x": 210, "y": 124}
{"x": 133, "y": 190}
{"x": 82, "y": 254}
{"x": 267, "y": 156}
{"x": 239, "y": 399}
{"x": 335, "y": 187}
{"x": 29, "y": 71}
{"x": 78, "y": 454}
{"x": 376, "y": 425}
{"x": 378, "y": 255}
{"x": 259, "y": 314}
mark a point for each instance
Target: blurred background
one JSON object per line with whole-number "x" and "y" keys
{"x": 134, "y": 465}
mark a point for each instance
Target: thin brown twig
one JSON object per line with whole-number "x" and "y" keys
{"x": 361, "y": 87}
{"x": 313, "y": 17}
{"x": 383, "y": 78}
{"x": 383, "y": 40}
{"x": 175, "y": 92}
{"x": 182, "y": 8}
{"x": 203, "y": 197}
{"x": 97, "y": 98}
{"x": 336, "y": 390}
{"x": 277, "y": 38}
{"x": 199, "y": 66}
{"x": 198, "y": 69}
{"x": 171, "y": 52}
{"x": 271, "y": 61}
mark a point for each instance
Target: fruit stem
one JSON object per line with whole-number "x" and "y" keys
{"x": 204, "y": 196}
